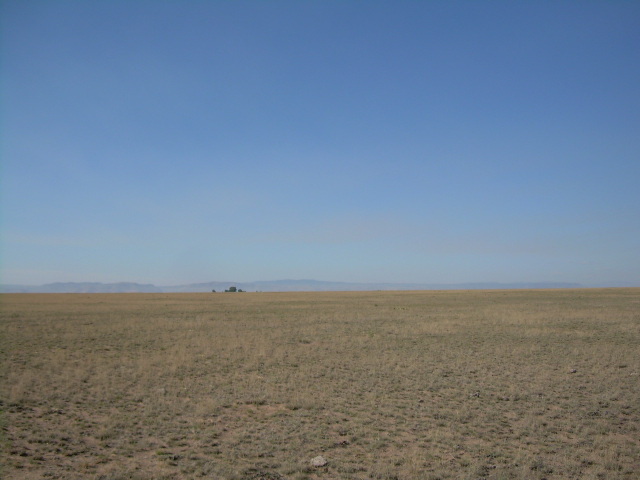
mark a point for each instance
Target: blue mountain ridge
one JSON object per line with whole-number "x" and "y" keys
{"x": 286, "y": 285}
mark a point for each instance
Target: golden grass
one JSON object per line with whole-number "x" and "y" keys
{"x": 384, "y": 385}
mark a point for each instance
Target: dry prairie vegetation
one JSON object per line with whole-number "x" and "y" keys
{"x": 384, "y": 385}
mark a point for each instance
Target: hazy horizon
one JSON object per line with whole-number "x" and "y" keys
{"x": 374, "y": 142}
{"x": 348, "y": 285}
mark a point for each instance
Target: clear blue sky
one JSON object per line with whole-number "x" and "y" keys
{"x": 400, "y": 141}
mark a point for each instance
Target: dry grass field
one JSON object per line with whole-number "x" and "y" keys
{"x": 384, "y": 385}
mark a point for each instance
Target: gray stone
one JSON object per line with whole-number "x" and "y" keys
{"x": 319, "y": 461}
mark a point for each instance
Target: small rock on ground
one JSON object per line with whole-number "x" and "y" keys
{"x": 319, "y": 461}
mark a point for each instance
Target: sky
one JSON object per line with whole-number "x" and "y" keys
{"x": 174, "y": 142}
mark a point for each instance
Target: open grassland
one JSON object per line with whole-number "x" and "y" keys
{"x": 384, "y": 385}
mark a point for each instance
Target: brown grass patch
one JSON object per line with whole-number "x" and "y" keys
{"x": 384, "y": 385}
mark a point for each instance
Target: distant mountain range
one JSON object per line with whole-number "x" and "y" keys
{"x": 269, "y": 286}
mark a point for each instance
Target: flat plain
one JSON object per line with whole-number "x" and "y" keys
{"x": 519, "y": 384}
